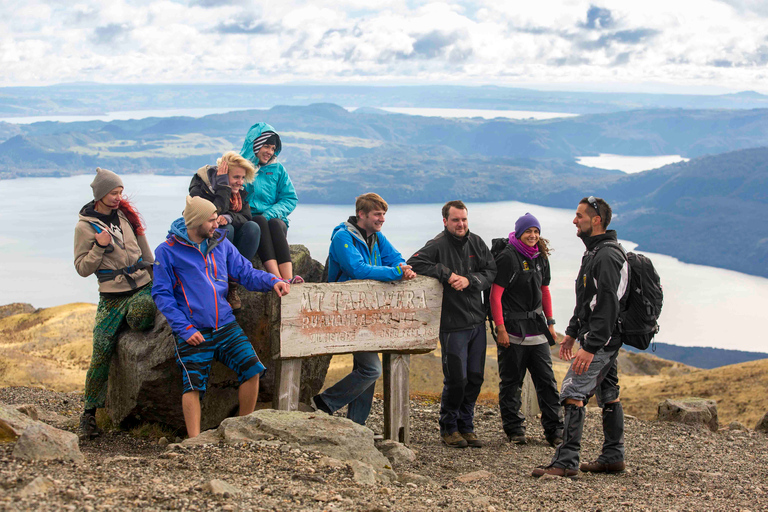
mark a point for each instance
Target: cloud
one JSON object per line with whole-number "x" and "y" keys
{"x": 247, "y": 27}
{"x": 598, "y": 18}
{"x": 550, "y": 42}
{"x": 110, "y": 34}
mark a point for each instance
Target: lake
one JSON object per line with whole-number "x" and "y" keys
{"x": 471, "y": 112}
{"x": 629, "y": 164}
{"x": 703, "y": 306}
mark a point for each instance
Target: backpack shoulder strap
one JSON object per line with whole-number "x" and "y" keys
{"x": 516, "y": 266}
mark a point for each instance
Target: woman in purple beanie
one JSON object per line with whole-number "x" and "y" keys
{"x": 521, "y": 306}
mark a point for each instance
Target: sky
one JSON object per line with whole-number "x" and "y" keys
{"x": 697, "y": 46}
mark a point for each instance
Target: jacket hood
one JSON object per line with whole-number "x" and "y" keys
{"x": 352, "y": 230}
{"x": 204, "y": 173}
{"x": 179, "y": 228}
{"x": 253, "y": 133}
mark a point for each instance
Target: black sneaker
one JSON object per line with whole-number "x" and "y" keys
{"x": 517, "y": 438}
{"x": 88, "y": 428}
{"x": 319, "y": 404}
{"x": 555, "y": 441}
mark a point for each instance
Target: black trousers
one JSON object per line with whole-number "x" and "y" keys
{"x": 514, "y": 361}
{"x": 274, "y": 241}
{"x": 463, "y": 370}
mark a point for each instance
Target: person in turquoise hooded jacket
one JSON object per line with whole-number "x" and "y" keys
{"x": 272, "y": 198}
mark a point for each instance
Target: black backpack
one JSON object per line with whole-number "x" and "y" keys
{"x": 498, "y": 245}
{"x": 638, "y": 319}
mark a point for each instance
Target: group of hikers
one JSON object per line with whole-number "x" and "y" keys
{"x": 239, "y": 208}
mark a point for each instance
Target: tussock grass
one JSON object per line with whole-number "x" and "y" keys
{"x": 153, "y": 431}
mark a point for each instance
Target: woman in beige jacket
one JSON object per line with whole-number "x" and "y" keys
{"x": 110, "y": 243}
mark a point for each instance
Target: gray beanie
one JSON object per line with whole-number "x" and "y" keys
{"x": 197, "y": 211}
{"x": 104, "y": 182}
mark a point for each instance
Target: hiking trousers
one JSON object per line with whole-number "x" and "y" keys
{"x": 138, "y": 311}
{"x": 514, "y": 361}
{"x": 463, "y": 369}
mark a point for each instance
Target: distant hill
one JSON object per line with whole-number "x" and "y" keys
{"x": 91, "y": 98}
{"x": 701, "y": 357}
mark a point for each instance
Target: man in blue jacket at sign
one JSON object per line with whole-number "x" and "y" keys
{"x": 193, "y": 268}
{"x": 359, "y": 251}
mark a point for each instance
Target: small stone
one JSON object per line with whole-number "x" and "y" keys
{"x": 221, "y": 487}
{"x": 474, "y": 476}
{"x": 163, "y": 441}
{"x": 40, "y": 485}
{"x": 412, "y": 485}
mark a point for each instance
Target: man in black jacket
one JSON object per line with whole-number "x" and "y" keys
{"x": 462, "y": 262}
{"x": 601, "y": 291}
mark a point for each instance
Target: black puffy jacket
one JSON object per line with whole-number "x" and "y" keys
{"x": 601, "y": 290}
{"x": 468, "y": 257}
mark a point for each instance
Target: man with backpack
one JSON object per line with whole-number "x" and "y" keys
{"x": 462, "y": 262}
{"x": 601, "y": 293}
{"x": 359, "y": 251}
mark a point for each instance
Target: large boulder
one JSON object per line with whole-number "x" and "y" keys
{"x": 43, "y": 442}
{"x": 762, "y": 424}
{"x": 145, "y": 381}
{"x": 333, "y": 436}
{"x": 691, "y": 411}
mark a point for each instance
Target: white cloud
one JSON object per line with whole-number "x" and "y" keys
{"x": 612, "y": 43}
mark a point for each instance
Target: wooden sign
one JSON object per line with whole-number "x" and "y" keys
{"x": 360, "y": 316}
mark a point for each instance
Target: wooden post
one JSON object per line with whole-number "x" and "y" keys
{"x": 396, "y": 397}
{"x": 287, "y": 380}
{"x": 530, "y": 403}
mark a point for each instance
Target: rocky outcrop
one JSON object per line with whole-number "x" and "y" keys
{"x": 145, "y": 382}
{"x": 691, "y": 411}
{"x": 335, "y": 437}
{"x": 762, "y": 425}
{"x": 43, "y": 442}
{"x": 16, "y": 308}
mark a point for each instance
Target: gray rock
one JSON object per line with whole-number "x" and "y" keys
{"x": 762, "y": 425}
{"x": 474, "y": 476}
{"x": 396, "y": 452}
{"x": 362, "y": 472}
{"x": 413, "y": 478}
{"x": 332, "y": 436}
{"x": 13, "y": 423}
{"x": 691, "y": 411}
{"x": 221, "y": 487}
{"x": 145, "y": 382}
{"x": 40, "y": 485}
{"x": 737, "y": 425}
{"x": 30, "y": 410}
{"x": 43, "y": 442}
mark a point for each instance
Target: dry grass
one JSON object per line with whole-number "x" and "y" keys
{"x": 51, "y": 349}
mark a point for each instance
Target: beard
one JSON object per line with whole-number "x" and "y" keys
{"x": 585, "y": 234}
{"x": 204, "y": 233}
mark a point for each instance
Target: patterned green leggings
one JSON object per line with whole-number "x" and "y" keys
{"x": 138, "y": 310}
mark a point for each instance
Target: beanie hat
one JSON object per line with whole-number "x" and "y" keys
{"x": 266, "y": 138}
{"x": 525, "y": 222}
{"x": 104, "y": 182}
{"x": 197, "y": 211}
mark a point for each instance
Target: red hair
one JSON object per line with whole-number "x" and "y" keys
{"x": 132, "y": 215}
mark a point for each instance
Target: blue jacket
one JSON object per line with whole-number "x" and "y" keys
{"x": 271, "y": 193}
{"x": 191, "y": 281}
{"x": 350, "y": 258}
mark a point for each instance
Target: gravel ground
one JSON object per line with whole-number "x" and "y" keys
{"x": 670, "y": 467}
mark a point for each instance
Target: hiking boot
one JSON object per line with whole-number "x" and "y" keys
{"x": 517, "y": 438}
{"x": 88, "y": 428}
{"x": 602, "y": 467}
{"x": 472, "y": 440}
{"x": 555, "y": 441}
{"x": 454, "y": 440}
{"x": 296, "y": 280}
{"x": 554, "y": 471}
{"x": 234, "y": 298}
{"x": 318, "y": 404}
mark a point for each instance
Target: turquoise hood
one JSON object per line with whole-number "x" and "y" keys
{"x": 271, "y": 193}
{"x": 253, "y": 133}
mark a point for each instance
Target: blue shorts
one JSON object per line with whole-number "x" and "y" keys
{"x": 229, "y": 345}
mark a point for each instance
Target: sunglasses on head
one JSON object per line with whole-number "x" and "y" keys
{"x": 593, "y": 201}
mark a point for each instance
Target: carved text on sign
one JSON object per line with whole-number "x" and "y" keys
{"x": 361, "y": 315}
